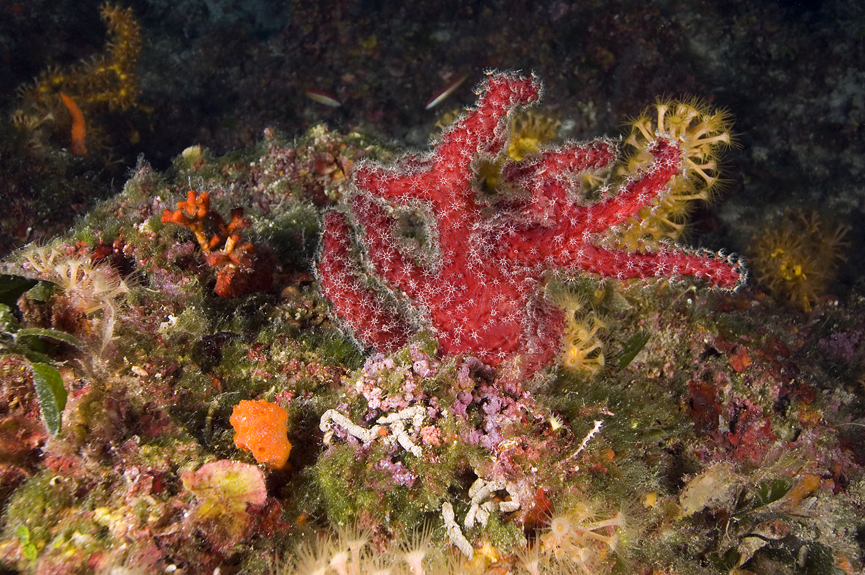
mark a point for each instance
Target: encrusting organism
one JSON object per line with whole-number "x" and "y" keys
{"x": 261, "y": 427}
{"x": 476, "y": 289}
{"x": 483, "y": 502}
{"x": 239, "y": 269}
{"x": 390, "y": 427}
{"x": 223, "y": 490}
{"x": 797, "y": 260}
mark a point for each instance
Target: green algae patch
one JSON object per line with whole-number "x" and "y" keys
{"x": 46, "y": 518}
{"x": 51, "y": 393}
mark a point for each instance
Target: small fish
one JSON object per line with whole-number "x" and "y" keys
{"x": 445, "y": 92}
{"x": 323, "y": 97}
{"x": 79, "y": 131}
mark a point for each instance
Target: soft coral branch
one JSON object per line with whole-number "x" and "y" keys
{"x": 469, "y": 268}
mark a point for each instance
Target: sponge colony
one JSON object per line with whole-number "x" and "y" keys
{"x": 262, "y": 427}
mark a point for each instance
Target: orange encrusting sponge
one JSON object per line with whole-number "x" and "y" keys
{"x": 262, "y": 428}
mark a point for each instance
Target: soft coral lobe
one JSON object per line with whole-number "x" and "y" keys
{"x": 467, "y": 264}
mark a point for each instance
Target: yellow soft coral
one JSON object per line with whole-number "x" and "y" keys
{"x": 108, "y": 78}
{"x": 106, "y": 81}
{"x": 529, "y": 131}
{"x": 582, "y": 348}
{"x": 576, "y": 537}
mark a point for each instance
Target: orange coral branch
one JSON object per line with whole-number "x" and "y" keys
{"x": 192, "y": 214}
{"x": 239, "y": 270}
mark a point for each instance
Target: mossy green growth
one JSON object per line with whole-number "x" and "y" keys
{"x": 338, "y": 477}
{"x": 332, "y": 347}
{"x": 87, "y": 235}
{"x": 503, "y": 535}
{"x": 352, "y": 488}
{"x": 199, "y": 386}
{"x": 191, "y": 321}
{"x": 639, "y": 405}
{"x": 102, "y": 222}
{"x": 456, "y": 454}
{"x": 294, "y": 233}
{"x": 45, "y": 512}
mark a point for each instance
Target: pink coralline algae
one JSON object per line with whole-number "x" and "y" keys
{"x": 417, "y": 245}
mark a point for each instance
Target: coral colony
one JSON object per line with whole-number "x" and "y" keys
{"x": 239, "y": 270}
{"x": 417, "y": 245}
{"x": 181, "y": 385}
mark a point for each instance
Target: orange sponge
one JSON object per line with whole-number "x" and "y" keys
{"x": 262, "y": 427}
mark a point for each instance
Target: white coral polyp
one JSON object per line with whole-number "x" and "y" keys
{"x": 88, "y": 287}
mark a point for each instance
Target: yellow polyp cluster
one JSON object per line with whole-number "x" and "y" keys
{"x": 576, "y": 539}
{"x": 797, "y": 260}
{"x": 108, "y": 81}
{"x": 582, "y": 348}
{"x": 698, "y": 130}
{"x": 529, "y": 131}
{"x": 701, "y": 134}
{"x": 113, "y": 79}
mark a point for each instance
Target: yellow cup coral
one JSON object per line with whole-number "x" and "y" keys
{"x": 700, "y": 134}
{"x": 262, "y": 427}
{"x": 582, "y": 347}
{"x": 797, "y": 260}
